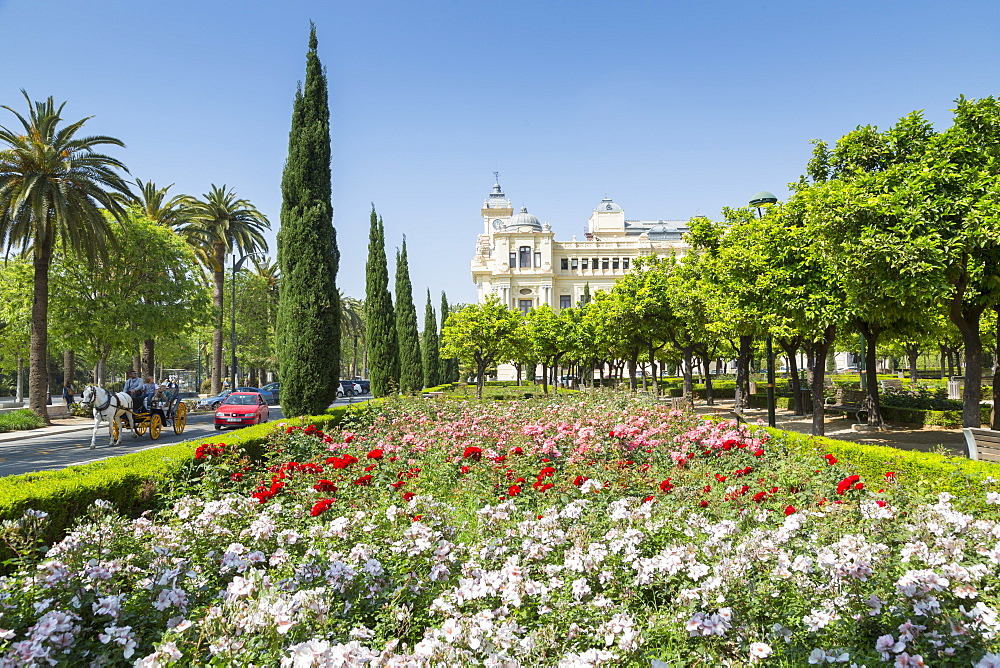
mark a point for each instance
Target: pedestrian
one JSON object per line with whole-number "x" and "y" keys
{"x": 68, "y": 393}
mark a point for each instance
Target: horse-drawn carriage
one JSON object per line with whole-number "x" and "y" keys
{"x": 169, "y": 411}
{"x": 165, "y": 410}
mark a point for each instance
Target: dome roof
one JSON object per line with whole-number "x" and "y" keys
{"x": 524, "y": 219}
{"x": 607, "y": 204}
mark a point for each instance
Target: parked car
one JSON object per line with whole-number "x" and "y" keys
{"x": 346, "y": 388}
{"x": 214, "y": 402}
{"x": 275, "y": 390}
{"x": 241, "y": 409}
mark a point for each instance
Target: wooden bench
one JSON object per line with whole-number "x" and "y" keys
{"x": 681, "y": 403}
{"x": 851, "y": 402}
{"x": 982, "y": 444}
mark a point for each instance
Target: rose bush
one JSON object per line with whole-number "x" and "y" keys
{"x": 571, "y": 533}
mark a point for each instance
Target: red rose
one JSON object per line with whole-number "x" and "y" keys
{"x": 706, "y": 489}
{"x": 364, "y": 481}
{"x": 789, "y": 510}
{"x": 547, "y": 471}
{"x": 375, "y": 454}
{"x": 348, "y": 437}
{"x": 666, "y": 485}
{"x": 371, "y": 468}
{"x": 758, "y": 453}
{"x": 547, "y": 486}
{"x": 325, "y": 486}
{"x": 466, "y": 469}
{"x": 859, "y": 485}
{"x": 720, "y": 477}
{"x": 703, "y": 504}
{"x": 649, "y": 499}
{"x": 847, "y": 483}
{"x": 321, "y": 506}
{"x": 417, "y": 518}
{"x": 881, "y": 503}
{"x": 890, "y": 475}
{"x": 580, "y": 479}
{"x": 513, "y": 490}
{"x": 398, "y": 484}
{"x": 517, "y": 451}
{"x": 473, "y": 453}
{"x": 408, "y": 495}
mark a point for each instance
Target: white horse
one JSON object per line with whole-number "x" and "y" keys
{"x": 107, "y": 408}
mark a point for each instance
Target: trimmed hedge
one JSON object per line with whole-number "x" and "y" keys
{"x": 936, "y": 473}
{"x": 130, "y": 482}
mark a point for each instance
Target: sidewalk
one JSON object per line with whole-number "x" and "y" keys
{"x": 924, "y": 439}
{"x": 60, "y": 425}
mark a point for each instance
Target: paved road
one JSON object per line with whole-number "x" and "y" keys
{"x": 56, "y": 451}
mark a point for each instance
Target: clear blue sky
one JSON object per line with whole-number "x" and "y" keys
{"x": 672, "y": 108}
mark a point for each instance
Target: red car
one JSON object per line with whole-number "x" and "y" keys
{"x": 241, "y": 409}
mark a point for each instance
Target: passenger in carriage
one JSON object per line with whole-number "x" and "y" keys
{"x": 148, "y": 391}
{"x": 133, "y": 388}
{"x": 168, "y": 389}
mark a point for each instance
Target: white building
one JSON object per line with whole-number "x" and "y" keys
{"x": 518, "y": 258}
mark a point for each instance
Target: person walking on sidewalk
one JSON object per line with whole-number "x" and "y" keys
{"x": 68, "y": 393}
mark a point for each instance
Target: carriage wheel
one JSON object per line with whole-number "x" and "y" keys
{"x": 180, "y": 418}
{"x": 139, "y": 425}
{"x": 155, "y": 426}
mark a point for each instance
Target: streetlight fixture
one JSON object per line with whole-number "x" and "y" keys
{"x": 232, "y": 343}
{"x": 760, "y": 200}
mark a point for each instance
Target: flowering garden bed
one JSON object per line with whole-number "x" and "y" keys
{"x": 571, "y": 533}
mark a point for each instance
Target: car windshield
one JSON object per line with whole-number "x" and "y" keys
{"x": 242, "y": 399}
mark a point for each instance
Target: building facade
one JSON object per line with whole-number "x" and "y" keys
{"x": 519, "y": 259}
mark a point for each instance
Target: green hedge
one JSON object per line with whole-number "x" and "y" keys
{"x": 936, "y": 473}
{"x": 951, "y": 419}
{"x": 130, "y": 482}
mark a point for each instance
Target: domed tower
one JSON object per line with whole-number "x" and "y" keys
{"x": 496, "y": 209}
{"x": 608, "y": 219}
{"x": 524, "y": 222}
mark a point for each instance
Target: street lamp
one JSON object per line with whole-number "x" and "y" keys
{"x": 232, "y": 343}
{"x": 760, "y": 200}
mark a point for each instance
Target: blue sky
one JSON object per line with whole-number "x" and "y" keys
{"x": 672, "y": 108}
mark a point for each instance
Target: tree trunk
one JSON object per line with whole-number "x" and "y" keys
{"x": 688, "y": 386}
{"x": 38, "y": 369}
{"x": 149, "y": 358}
{"x": 102, "y": 366}
{"x": 480, "y": 376}
{"x": 912, "y": 353}
{"x": 69, "y": 364}
{"x": 871, "y": 333}
{"x": 820, "y": 349}
{"x": 791, "y": 347}
{"x": 137, "y": 362}
{"x": 743, "y": 374}
{"x": 545, "y": 378}
{"x": 967, "y": 321}
{"x": 633, "y": 383}
{"x": 19, "y": 390}
{"x": 218, "y": 300}
{"x": 652, "y": 367}
{"x": 709, "y": 393}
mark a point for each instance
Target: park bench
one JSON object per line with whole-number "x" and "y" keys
{"x": 892, "y": 383}
{"x": 681, "y": 403}
{"x": 851, "y": 402}
{"x": 433, "y": 395}
{"x": 982, "y": 444}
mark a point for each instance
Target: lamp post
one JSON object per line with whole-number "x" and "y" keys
{"x": 232, "y": 343}
{"x": 760, "y": 200}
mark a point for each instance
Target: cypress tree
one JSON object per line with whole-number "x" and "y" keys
{"x": 411, "y": 369}
{"x": 380, "y": 321}
{"x": 429, "y": 347}
{"x": 448, "y": 367}
{"x": 585, "y": 298}
{"x": 308, "y": 327}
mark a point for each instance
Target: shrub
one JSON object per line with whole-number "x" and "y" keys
{"x": 21, "y": 419}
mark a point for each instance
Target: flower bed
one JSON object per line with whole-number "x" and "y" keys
{"x": 567, "y": 533}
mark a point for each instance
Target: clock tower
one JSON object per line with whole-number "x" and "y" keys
{"x": 496, "y": 209}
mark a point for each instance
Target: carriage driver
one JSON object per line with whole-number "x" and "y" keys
{"x": 133, "y": 387}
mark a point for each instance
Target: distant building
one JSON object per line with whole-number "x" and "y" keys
{"x": 518, "y": 258}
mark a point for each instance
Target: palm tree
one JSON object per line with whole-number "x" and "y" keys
{"x": 174, "y": 213}
{"x": 221, "y": 223}
{"x": 53, "y": 186}
{"x": 352, "y": 325}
